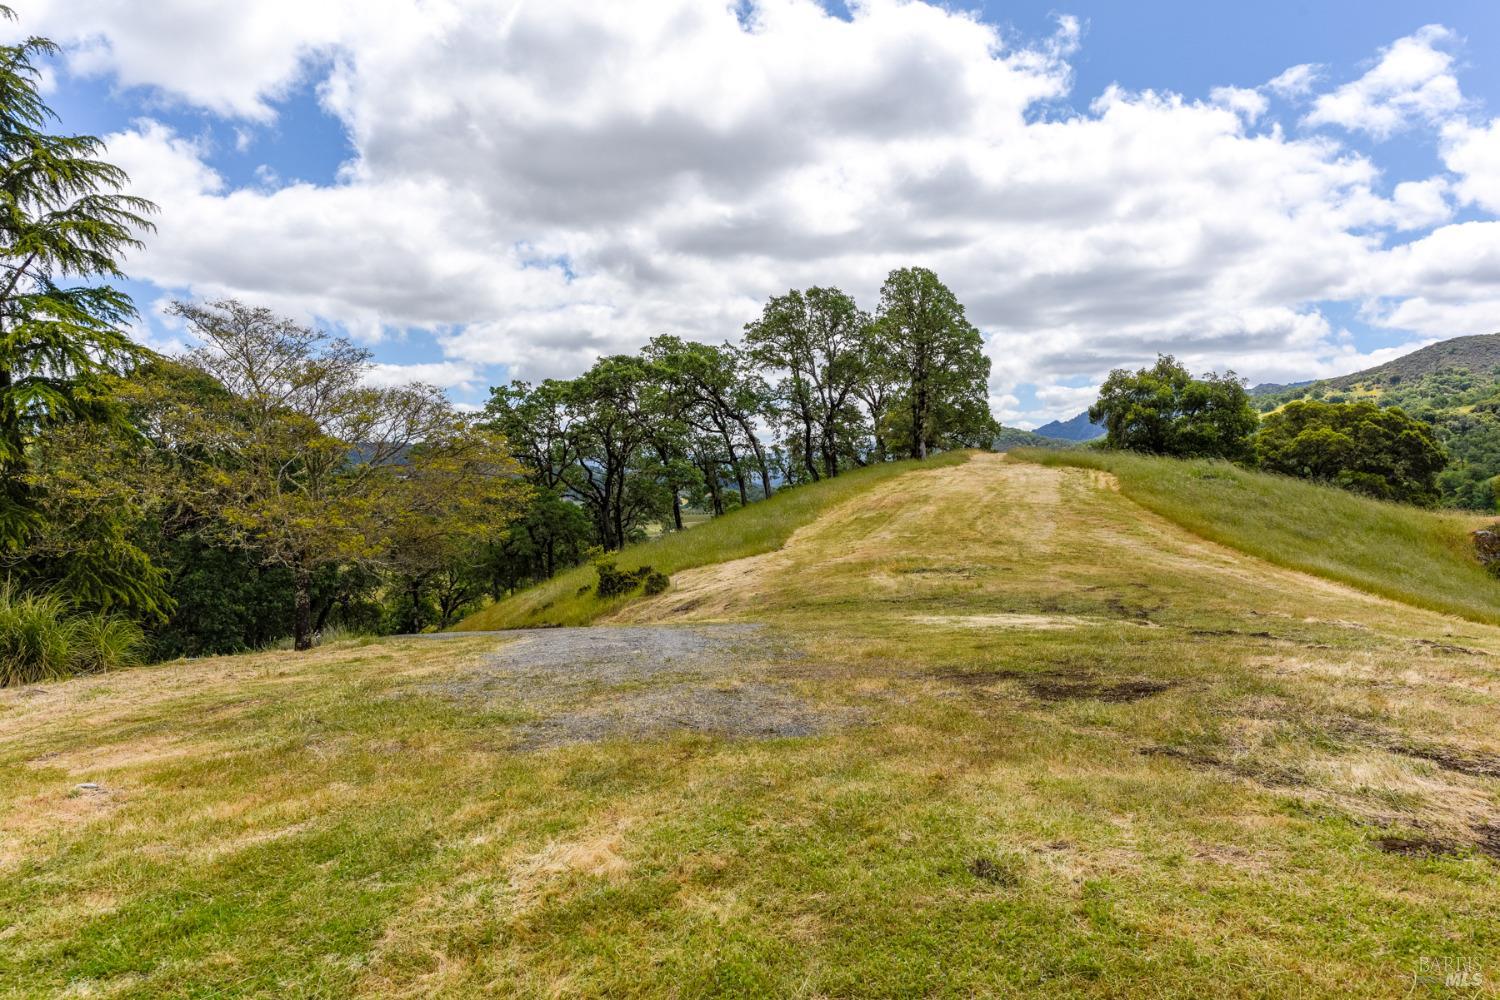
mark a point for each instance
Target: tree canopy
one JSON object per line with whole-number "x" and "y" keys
{"x": 1164, "y": 410}
{"x": 1378, "y": 451}
{"x": 936, "y": 359}
{"x": 308, "y": 465}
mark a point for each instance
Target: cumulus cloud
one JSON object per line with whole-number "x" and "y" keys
{"x": 537, "y": 184}
{"x": 1412, "y": 82}
{"x": 230, "y": 58}
{"x": 1242, "y": 100}
{"x": 1473, "y": 153}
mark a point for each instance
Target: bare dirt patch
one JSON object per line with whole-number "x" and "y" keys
{"x": 1476, "y": 765}
{"x": 1447, "y": 647}
{"x": 1418, "y": 847}
{"x": 1007, "y": 620}
{"x": 753, "y": 711}
{"x": 1055, "y": 686}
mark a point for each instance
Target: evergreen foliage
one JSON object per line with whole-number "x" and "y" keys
{"x": 63, "y": 219}
{"x": 1380, "y": 452}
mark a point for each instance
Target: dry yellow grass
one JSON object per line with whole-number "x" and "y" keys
{"x": 1090, "y": 754}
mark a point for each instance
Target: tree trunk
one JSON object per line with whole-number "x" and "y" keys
{"x": 711, "y": 480}
{"x": 919, "y": 420}
{"x": 919, "y": 395}
{"x": 739, "y": 476}
{"x": 323, "y": 613}
{"x": 760, "y": 460}
{"x": 676, "y": 508}
{"x": 807, "y": 449}
{"x": 302, "y": 632}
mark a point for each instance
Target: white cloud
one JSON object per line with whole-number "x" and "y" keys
{"x": 1419, "y": 204}
{"x": 1241, "y": 100}
{"x": 538, "y": 184}
{"x": 1296, "y": 81}
{"x": 1473, "y": 153}
{"x": 1412, "y": 82}
{"x": 443, "y": 374}
{"x": 231, "y": 58}
{"x": 1442, "y": 286}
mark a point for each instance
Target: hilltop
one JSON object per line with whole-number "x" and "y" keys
{"x": 1453, "y": 385}
{"x": 1479, "y": 354}
{"x": 980, "y": 727}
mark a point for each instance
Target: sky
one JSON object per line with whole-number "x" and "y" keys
{"x": 480, "y": 190}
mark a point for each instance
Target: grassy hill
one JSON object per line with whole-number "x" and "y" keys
{"x": 568, "y": 598}
{"x": 984, "y": 727}
{"x": 1455, "y": 386}
{"x": 1424, "y": 558}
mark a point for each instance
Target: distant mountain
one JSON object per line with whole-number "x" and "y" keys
{"x": 1479, "y": 353}
{"x": 1014, "y": 437}
{"x": 1080, "y": 428}
{"x": 1271, "y": 388}
{"x": 1453, "y": 385}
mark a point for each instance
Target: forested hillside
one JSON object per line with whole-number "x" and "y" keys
{"x": 1454, "y": 386}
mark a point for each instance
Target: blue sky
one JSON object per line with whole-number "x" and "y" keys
{"x": 581, "y": 209}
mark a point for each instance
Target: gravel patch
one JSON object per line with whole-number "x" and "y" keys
{"x": 639, "y": 682}
{"x": 748, "y": 711}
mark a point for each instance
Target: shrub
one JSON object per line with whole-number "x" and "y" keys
{"x": 35, "y": 638}
{"x": 42, "y": 638}
{"x": 104, "y": 642}
{"x": 657, "y": 582}
{"x": 614, "y": 582}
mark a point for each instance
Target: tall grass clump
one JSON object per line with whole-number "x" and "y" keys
{"x": 1420, "y": 557}
{"x": 43, "y": 638}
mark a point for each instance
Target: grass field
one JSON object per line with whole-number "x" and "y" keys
{"x": 568, "y": 598}
{"x": 1048, "y": 743}
{"x": 1421, "y": 557}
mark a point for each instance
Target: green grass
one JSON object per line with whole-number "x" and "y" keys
{"x": 568, "y": 598}
{"x": 1420, "y": 557}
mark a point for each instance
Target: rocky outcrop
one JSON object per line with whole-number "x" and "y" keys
{"x": 1487, "y": 547}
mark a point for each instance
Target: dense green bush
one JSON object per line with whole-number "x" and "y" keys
{"x": 615, "y": 582}
{"x": 42, "y": 637}
{"x": 1380, "y": 452}
{"x": 1163, "y": 410}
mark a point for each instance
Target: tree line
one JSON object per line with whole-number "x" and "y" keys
{"x": 1381, "y": 452}
{"x": 260, "y": 487}
{"x": 815, "y": 387}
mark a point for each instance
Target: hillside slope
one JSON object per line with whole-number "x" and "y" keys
{"x": 1423, "y": 558}
{"x": 1079, "y": 428}
{"x": 988, "y": 728}
{"x": 567, "y": 599}
{"x": 1480, "y": 353}
{"x": 1453, "y": 385}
